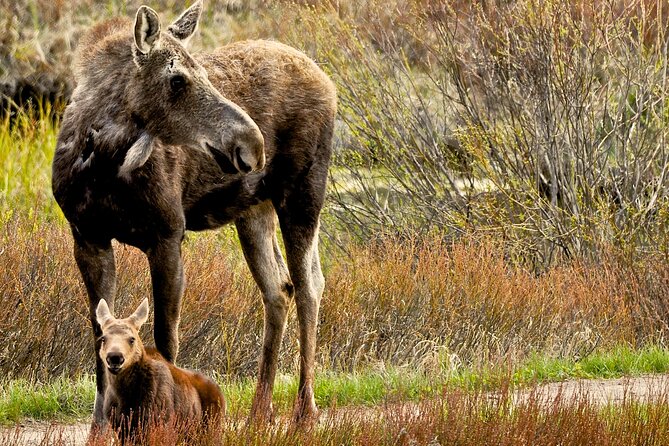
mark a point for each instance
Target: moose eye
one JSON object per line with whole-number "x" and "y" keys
{"x": 132, "y": 341}
{"x": 177, "y": 83}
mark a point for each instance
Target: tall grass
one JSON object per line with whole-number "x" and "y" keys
{"x": 27, "y": 143}
{"x": 424, "y": 303}
{"x": 452, "y": 418}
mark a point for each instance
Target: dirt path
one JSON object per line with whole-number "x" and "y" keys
{"x": 599, "y": 391}
{"x": 604, "y": 391}
{"x": 44, "y": 434}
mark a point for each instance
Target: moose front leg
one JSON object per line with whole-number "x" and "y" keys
{"x": 98, "y": 270}
{"x": 167, "y": 279}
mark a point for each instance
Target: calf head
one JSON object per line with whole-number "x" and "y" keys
{"x": 120, "y": 345}
{"x": 172, "y": 98}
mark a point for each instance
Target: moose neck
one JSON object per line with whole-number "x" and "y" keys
{"x": 104, "y": 71}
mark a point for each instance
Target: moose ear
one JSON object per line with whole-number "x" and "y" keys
{"x": 102, "y": 313}
{"x": 183, "y": 28}
{"x": 141, "y": 314}
{"x": 147, "y": 29}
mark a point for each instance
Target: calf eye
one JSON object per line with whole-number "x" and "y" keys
{"x": 103, "y": 340}
{"x": 132, "y": 341}
{"x": 177, "y": 83}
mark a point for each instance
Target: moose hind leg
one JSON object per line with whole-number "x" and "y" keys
{"x": 257, "y": 234}
{"x": 98, "y": 271}
{"x": 298, "y": 207}
{"x": 301, "y": 241}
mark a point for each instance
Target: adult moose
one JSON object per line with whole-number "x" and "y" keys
{"x": 157, "y": 140}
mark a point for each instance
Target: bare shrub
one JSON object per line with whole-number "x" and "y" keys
{"x": 543, "y": 123}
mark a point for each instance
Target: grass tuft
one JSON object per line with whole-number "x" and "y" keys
{"x": 64, "y": 399}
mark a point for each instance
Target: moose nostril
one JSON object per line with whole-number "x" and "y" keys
{"x": 115, "y": 359}
{"x": 241, "y": 163}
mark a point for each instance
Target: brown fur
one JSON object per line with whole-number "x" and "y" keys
{"x": 141, "y": 160}
{"x": 145, "y": 387}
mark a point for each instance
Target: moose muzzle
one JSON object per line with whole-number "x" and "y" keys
{"x": 115, "y": 361}
{"x": 248, "y": 154}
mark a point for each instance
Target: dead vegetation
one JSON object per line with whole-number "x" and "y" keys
{"x": 427, "y": 303}
{"x": 453, "y": 418}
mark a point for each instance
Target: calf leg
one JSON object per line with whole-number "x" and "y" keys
{"x": 257, "y": 234}
{"x": 98, "y": 270}
{"x": 167, "y": 279}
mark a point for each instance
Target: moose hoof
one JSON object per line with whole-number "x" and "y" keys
{"x": 305, "y": 412}
{"x": 262, "y": 412}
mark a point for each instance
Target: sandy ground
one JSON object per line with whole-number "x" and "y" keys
{"x": 44, "y": 434}
{"x": 599, "y": 391}
{"x": 604, "y": 391}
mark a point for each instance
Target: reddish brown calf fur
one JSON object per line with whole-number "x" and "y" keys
{"x": 142, "y": 386}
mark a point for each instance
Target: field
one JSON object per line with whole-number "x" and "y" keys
{"x": 497, "y": 217}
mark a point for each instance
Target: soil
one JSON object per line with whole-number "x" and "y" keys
{"x": 604, "y": 391}
{"x": 44, "y": 433}
{"x": 598, "y": 391}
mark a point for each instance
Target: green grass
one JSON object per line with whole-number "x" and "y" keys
{"x": 27, "y": 143}
{"x": 366, "y": 388}
{"x": 68, "y": 399}
{"x": 63, "y": 399}
{"x": 621, "y": 361}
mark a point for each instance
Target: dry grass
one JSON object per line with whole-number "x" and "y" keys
{"x": 454, "y": 418}
{"x": 396, "y": 302}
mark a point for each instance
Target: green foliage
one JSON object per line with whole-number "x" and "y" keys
{"x": 27, "y": 143}
{"x": 625, "y": 361}
{"x": 621, "y": 361}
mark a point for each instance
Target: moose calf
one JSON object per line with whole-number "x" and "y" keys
{"x": 142, "y": 387}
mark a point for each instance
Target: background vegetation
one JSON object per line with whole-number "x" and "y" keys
{"x": 498, "y": 192}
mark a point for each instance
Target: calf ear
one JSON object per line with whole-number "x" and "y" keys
{"x": 102, "y": 313}
{"x": 183, "y": 28}
{"x": 147, "y": 29}
{"x": 140, "y": 315}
